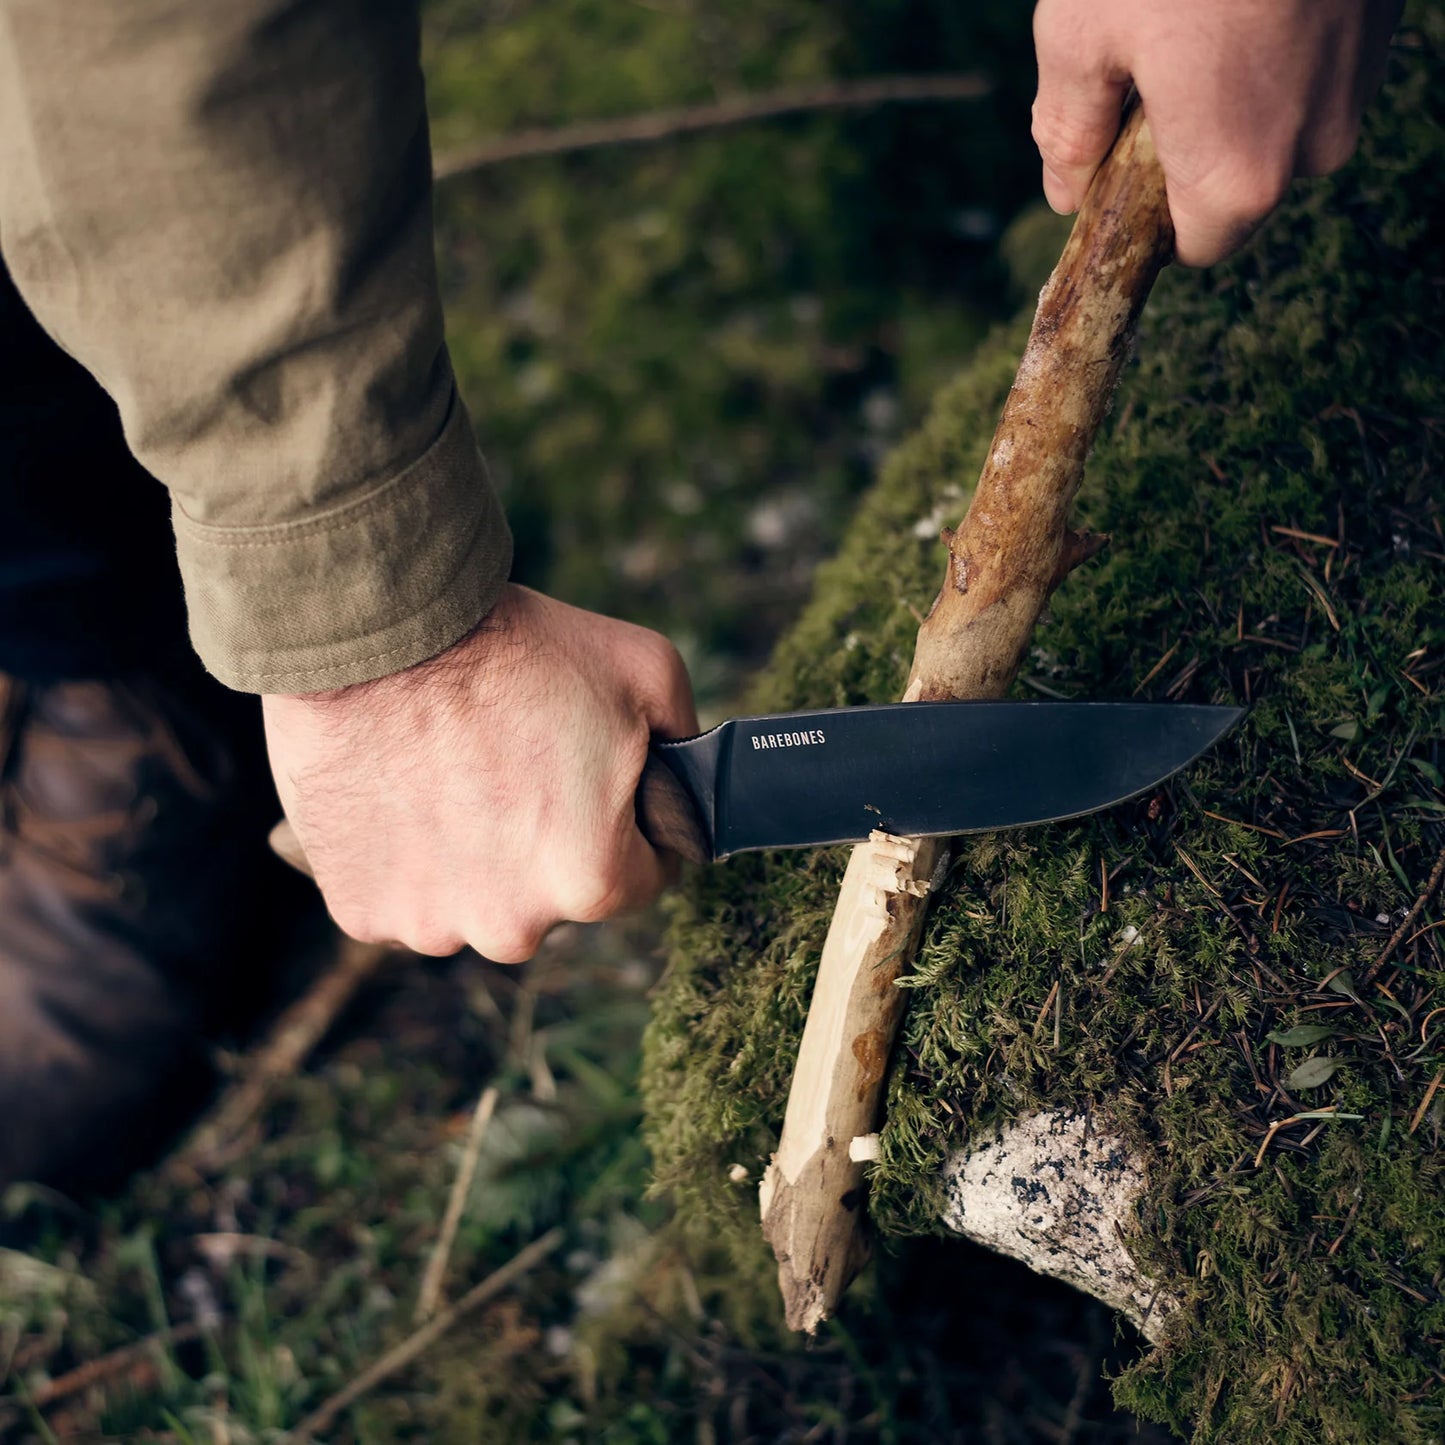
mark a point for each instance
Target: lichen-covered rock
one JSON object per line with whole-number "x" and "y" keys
{"x": 1273, "y": 478}
{"x": 1054, "y": 1191}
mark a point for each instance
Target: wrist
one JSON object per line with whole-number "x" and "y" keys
{"x": 468, "y": 654}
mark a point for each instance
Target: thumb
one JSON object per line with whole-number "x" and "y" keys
{"x": 1080, "y": 97}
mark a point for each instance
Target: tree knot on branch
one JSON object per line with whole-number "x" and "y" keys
{"x": 1078, "y": 548}
{"x": 959, "y": 570}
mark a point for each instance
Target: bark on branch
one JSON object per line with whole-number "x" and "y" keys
{"x": 1010, "y": 552}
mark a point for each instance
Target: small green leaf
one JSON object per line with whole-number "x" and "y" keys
{"x": 1396, "y": 869}
{"x": 1429, "y": 772}
{"x": 1347, "y": 732}
{"x": 1376, "y": 703}
{"x": 1315, "y": 1071}
{"x": 1343, "y": 982}
{"x": 1300, "y": 1035}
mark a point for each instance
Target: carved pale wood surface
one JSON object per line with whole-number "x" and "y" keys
{"x": 842, "y": 1064}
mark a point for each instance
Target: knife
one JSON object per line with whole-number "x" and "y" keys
{"x": 803, "y": 779}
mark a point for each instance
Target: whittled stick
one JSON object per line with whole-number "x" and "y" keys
{"x": 1010, "y": 552}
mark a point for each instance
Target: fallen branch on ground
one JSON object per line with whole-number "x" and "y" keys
{"x": 118, "y": 1364}
{"x": 285, "y": 1049}
{"x": 688, "y": 120}
{"x": 414, "y": 1345}
{"x": 429, "y": 1296}
{"x": 1406, "y": 923}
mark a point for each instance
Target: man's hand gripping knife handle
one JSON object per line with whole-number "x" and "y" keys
{"x": 666, "y": 813}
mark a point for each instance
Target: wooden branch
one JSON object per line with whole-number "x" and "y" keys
{"x": 1407, "y": 922}
{"x": 687, "y": 120}
{"x": 430, "y": 1294}
{"x": 222, "y": 1134}
{"x": 1012, "y": 549}
{"x": 317, "y": 1424}
{"x": 119, "y": 1364}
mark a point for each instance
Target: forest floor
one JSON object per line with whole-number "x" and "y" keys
{"x": 260, "y": 1288}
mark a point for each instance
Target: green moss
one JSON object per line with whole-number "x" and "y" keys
{"x": 1300, "y": 387}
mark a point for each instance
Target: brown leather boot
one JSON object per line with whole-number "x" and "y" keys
{"x": 132, "y": 823}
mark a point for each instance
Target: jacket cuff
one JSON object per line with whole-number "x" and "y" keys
{"x": 354, "y": 592}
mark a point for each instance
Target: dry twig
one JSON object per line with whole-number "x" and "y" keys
{"x": 395, "y": 1360}
{"x": 290, "y": 1042}
{"x": 118, "y": 1364}
{"x": 1425, "y": 1102}
{"x": 686, "y": 120}
{"x": 431, "y": 1286}
{"x": 1408, "y": 922}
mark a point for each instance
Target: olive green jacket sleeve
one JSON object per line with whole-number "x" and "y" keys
{"x": 222, "y": 208}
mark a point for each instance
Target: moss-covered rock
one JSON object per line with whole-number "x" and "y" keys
{"x": 1273, "y": 479}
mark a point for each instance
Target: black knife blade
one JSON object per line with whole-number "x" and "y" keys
{"x": 804, "y": 779}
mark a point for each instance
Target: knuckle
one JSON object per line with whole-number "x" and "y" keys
{"x": 1216, "y": 213}
{"x": 432, "y": 942}
{"x": 1063, "y": 35}
{"x": 667, "y": 664}
{"x": 662, "y": 687}
{"x": 379, "y": 925}
{"x": 1068, "y": 143}
{"x": 1335, "y": 157}
{"x": 512, "y": 945}
{"x": 1243, "y": 195}
{"x": 677, "y": 671}
{"x": 593, "y": 895}
{"x": 512, "y": 934}
{"x": 1261, "y": 194}
{"x": 1331, "y": 152}
{"x": 358, "y": 923}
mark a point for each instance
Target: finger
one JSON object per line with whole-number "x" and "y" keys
{"x": 677, "y": 717}
{"x": 635, "y": 875}
{"x": 1331, "y": 123}
{"x": 648, "y": 872}
{"x": 1213, "y": 220}
{"x": 1343, "y": 87}
{"x": 1077, "y": 108}
{"x": 1325, "y": 148}
{"x": 515, "y": 945}
{"x": 1220, "y": 185}
{"x": 432, "y": 942}
{"x": 1225, "y": 176}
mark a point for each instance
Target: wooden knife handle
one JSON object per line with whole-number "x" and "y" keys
{"x": 666, "y": 815}
{"x": 287, "y": 847}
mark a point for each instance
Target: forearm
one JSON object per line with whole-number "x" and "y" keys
{"x": 223, "y": 211}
